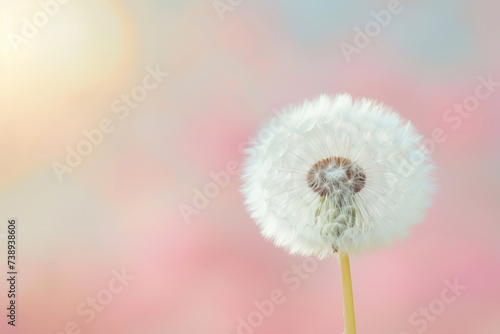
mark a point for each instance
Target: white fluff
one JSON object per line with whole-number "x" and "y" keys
{"x": 320, "y": 210}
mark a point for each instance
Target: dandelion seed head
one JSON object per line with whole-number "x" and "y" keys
{"x": 336, "y": 174}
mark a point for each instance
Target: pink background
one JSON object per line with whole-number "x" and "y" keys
{"x": 120, "y": 207}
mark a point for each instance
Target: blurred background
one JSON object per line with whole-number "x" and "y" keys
{"x": 122, "y": 125}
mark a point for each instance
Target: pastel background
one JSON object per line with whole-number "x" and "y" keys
{"x": 120, "y": 207}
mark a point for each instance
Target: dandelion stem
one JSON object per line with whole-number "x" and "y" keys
{"x": 345, "y": 270}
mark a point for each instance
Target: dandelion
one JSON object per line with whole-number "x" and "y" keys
{"x": 337, "y": 177}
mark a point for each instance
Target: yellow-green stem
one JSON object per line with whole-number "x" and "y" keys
{"x": 345, "y": 270}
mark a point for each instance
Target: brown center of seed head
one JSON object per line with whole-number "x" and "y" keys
{"x": 336, "y": 176}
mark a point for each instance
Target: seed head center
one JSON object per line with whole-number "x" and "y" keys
{"x": 336, "y": 176}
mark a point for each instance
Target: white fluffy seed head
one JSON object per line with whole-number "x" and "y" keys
{"x": 335, "y": 174}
